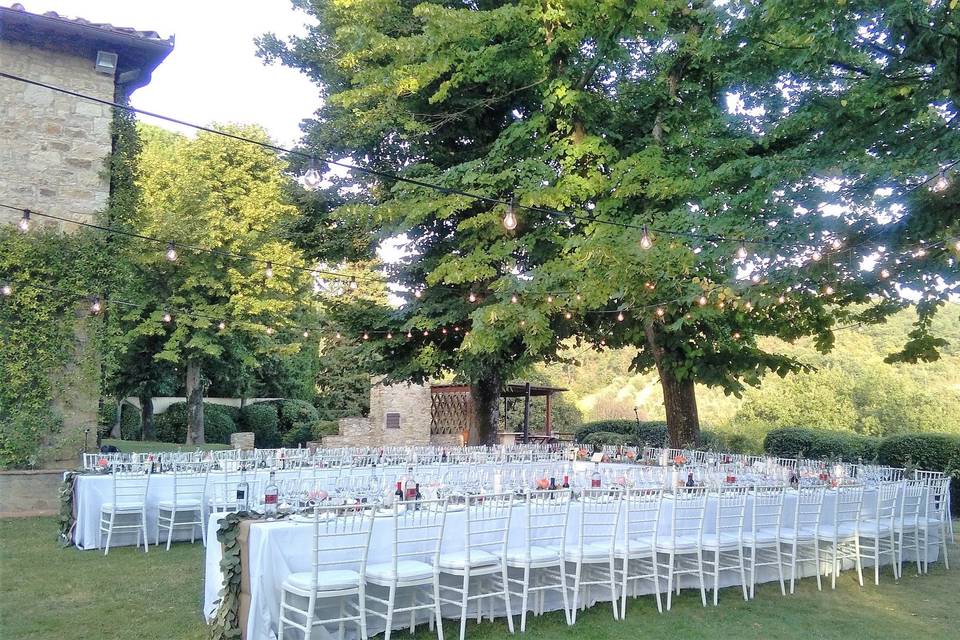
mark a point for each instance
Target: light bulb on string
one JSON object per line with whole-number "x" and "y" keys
{"x": 748, "y": 305}
{"x": 603, "y": 342}
{"x": 660, "y": 312}
{"x": 167, "y": 318}
{"x": 736, "y": 335}
{"x": 171, "y": 252}
{"x": 650, "y": 285}
{"x": 702, "y": 301}
{"x": 353, "y": 283}
{"x": 312, "y": 176}
{"x": 514, "y": 299}
{"x": 409, "y": 335}
{"x": 550, "y": 299}
{"x": 269, "y": 331}
{"x": 741, "y": 252}
{"x": 828, "y": 290}
{"x": 418, "y": 294}
{"x": 389, "y": 336}
{"x": 306, "y": 334}
{"x": 942, "y": 183}
{"x": 782, "y": 299}
{"x": 510, "y": 217}
{"x": 472, "y": 297}
{"x": 425, "y": 333}
{"x": 6, "y": 289}
{"x": 95, "y": 305}
{"x": 456, "y": 329}
{"x": 645, "y": 241}
{"x": 339, "y": 335}
{"x": 523, "y": 323}
{"x": 884, "y": 273}
{"x": 24, "y": 224}
{"x": 620, "y": 316}
{"x": 366, "y": 336}
{"x": 268, "y": 272}
{"x": 222, "y": 326}
{"x": 443, "y": 331}
{"x": 567, "y": 315}
{"x": 579, "y": 297}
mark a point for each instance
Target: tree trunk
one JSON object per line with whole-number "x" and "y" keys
{"x": 679, "y": 398}
{"x": 194, "y": 404}
{"x": 146, "y": 418}
{"x": 486, "y": 402}
{"x": 115, "y": 430}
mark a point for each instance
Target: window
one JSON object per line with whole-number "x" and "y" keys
{"x": 393, "y": 420}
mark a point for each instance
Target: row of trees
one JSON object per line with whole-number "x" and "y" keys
{"x": 804, "y": 133}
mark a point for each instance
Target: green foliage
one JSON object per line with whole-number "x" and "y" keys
{"x": 261, "y": 418}
{"x": 646, "y": 433}
{"x": 325, "y": 428}
{"x": 925, "y": 450}
{"x": 296, "y": 422}
{"x": 171, "y": 425}
{"x": 820, "y": 443}
{"x": 601, "y": 438}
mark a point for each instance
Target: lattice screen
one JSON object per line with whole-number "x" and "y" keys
{"x": 451, "y": 413}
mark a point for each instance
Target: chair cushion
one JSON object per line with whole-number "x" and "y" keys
{"x": 326, "y": 580}
{"x": 633, "y": 546}
{"x": 842, "y": 530}
{"x": 667, "y": 543}
{"x": 121, "y": 506}
{"x": 803, "y": 533}
{"x": 182, "y": 504}
{"x": 458, "y": 560}
{"x": 871, "y": 530}
{"x": 593, "y": 551}
{"x": 536, "y": 555}
{"x": 406, "y": 570}
{"x": 761, "y": 537}
{"x": 724, "y": 540}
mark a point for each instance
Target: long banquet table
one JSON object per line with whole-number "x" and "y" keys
{"x": 273, "y": 550}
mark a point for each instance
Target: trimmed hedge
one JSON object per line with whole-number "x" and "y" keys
{"x": 601, "y": 438}
{"x": 650, "y": 432}
{"x": 931, "y": 451}
{"x": 171, "y": 425}
{"x": 262, "y": 419}
{"x": 296, "y": 421}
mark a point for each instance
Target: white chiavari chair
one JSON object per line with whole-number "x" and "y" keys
{"x": 762, "y": 536}
{"x": 636, "y": 546}
{"x": 877, "y": 529}
{"x": 726, "y": 538}
{"x": 541, "y": 556}
{"x": 341, "y": 539}
{"x": 414, "y": 564}
{"x": 185, "y": 509}
{"x": 841, "y": 537}
{"x": 799, "y": 531}
{"x": 937, "y": 517}
{"x": 906, "y": 524}
{"x": 484, "y": 558}
{"x": 683, "y": 544}
{"x": 592, "y": 556}
{"x": 128, "y": 500}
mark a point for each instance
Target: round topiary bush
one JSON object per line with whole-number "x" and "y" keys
{"x": 129, "y": 422}
{"x": 217, "y": 424}
{"x": 171, "y": 425}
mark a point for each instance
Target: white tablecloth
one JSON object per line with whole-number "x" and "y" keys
{"x": 276, "y": 549}
{"x": 92, "y": 491}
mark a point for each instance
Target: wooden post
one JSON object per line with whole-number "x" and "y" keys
{"x": 526, "y": 413}
{"x": 548, "y": 427}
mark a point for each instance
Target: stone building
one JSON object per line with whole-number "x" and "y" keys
{"x": 54, "y": 149}
{"x": 54, "y": 145}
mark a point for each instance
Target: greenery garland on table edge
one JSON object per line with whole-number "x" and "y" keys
{"x": 66, "y": 520}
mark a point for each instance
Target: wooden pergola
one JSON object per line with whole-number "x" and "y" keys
{"x": 452, "y": 411}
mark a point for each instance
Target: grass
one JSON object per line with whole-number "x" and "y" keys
{"x": 46, "y": 592}
{"x": 137, "y": 446}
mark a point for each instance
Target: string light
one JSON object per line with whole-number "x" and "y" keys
{"x": 416, "y": 294}
{"x": 828, "y": 290}
{"x": 222, "y": 326}
{"x": 443, "y": 331}
{"x": 782, "y": 299}
{"x": 884, "y": 274}
{"x": 579, "y": 297}
{"x": 510, "y": 218}
{"x": 389, "y": 336}
{"x": 269, "y": 331}
{"x": 702, "y": 300}
{"x": 736, "y": 335}
{"x": 649, "y": 285}
{"x": 568, "y": 315}
{"x": 472, "y": 297}
{"x": 339, "y": 335}
{"x": 456, "y": 328}
{"x": 167, "y": 317}
{"x": 620, "y": 317}
{"x": 942, "y": 183}
{"x": 312, "y": 176}
{"x": 514, "y": 299}
{"x": 24, "y": 224}
{"x": 645, "y": 241}
{"x": 660, "y": 311}
{"x": 171, "y": 252}
{"x": 366, "y": 336}
{"x": 409, "y": 335}
{"x": 550, "y": 299}
{"x": 748, "y": 305}
{"x": 269, "y": 270}
{"x": 95, "y": 305}
{"x": 306, "y": 334}
{"x": 425, "y": 333}
{"x": 741, "y": 251}
{"x": 523, "y": 323}
{"x": 6, "y": 289}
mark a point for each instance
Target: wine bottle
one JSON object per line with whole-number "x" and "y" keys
{"x": 566, "y": 482}
{"x": 690, "y": 481}
{"x": 398, "y": 494}
{"x": 243, "y": 490}
{"x": 595, "y": 477}
{"x": 270, "y": 496}
{"x": 417, "y": 498}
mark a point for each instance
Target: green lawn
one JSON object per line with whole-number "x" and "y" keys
{"x": 47, "y": 593}
{"x": 136, "y": 446}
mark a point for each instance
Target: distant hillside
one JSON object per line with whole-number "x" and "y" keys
{"x": 851, "y": 389}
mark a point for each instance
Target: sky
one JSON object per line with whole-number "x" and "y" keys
{"x": 213, "y": 74}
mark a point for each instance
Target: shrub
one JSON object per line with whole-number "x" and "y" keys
{"x": 601, "y": 438}
{"x": 300, "y": 434}
{"x": 652, "y": 432}
{"x": 712, "y": 441}
{"x": 325, "y": 428}
{"x": 294, "y": 414}
{"x": 262, "y": 420}
{"x": 171, "y": 425}
{"x": 930, "y": 451}
{"x": 789, "y": 442}
{"x": 129, "y": 422}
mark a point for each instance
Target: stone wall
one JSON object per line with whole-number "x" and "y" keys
{"x": 30, "y": 493}
{"x": 53, "y": 145}
{"x": 410, "y": 401}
